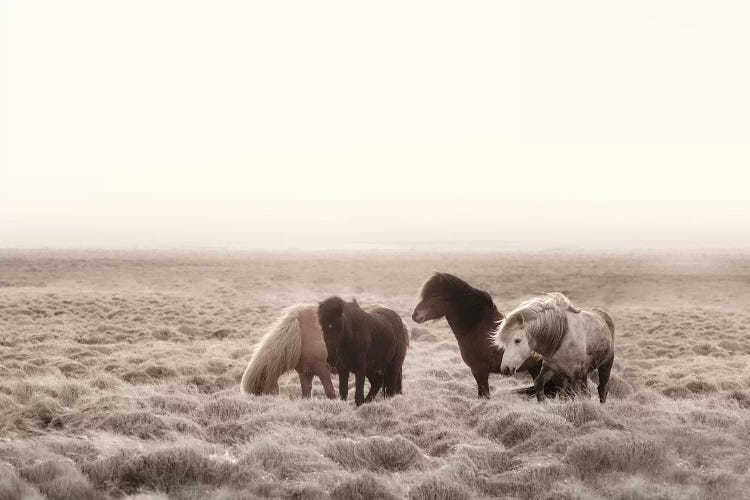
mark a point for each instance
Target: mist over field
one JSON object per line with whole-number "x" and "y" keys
{"x": 119, "y": 377}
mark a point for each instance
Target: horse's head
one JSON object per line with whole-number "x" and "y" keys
{"x": 537, "y": 325}
{"x": 334, "y": 324}
{"x": 429, "y": 308}
{"x": 433, "y": 303}
{"x": 444, "y": 293}
{"x": 511, "y": 337}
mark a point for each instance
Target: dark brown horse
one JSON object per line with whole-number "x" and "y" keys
{"x": 473, "y": 316}
{"x": 370, "y": 343}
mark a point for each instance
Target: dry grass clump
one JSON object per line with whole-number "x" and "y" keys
{"x": 72, "y": 448}
{"x": 68, "y": 393}
{"x": 742, "y": 398}
{"x": 119, "y": 415}
{"x": 436, "y": 488}
{"x": 607, "y": 451}
{"x": 639, "y": 487}
{"x": 489, "y": 459}
{"x": 21, "y": 391}
{"x": 569, "y": 489}
{"x": 331, "y": 417}
{"x": 164, "y": 334}
{"x": 163, "y": 470}
{"x": 159, "y": 372}
{"x": 364, "y": 486}
{"x": 229, "y": 433}
{"x": 282, "y": 460}
{"x": 227, "y": 409}
{"x": 105, "y": 382}
{"x": 13, "y": 487}
{"x": 377, "y": 454}
{"x": 528, "y": 481}
{"x": 140, "y": 423}
{"x": 518, "y": 427}
{"x": 59, "y": 479}
{"x": 586, "y": 412}
{"x": 39, "y": 412}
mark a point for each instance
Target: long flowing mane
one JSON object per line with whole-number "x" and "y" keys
{"x": 447, "y": 286}
{"x": 544, "y": 319}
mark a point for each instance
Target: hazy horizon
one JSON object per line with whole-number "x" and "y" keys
{"x": 331, "y": 125}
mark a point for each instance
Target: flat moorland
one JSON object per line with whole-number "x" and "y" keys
{"x": 119, "y": 377}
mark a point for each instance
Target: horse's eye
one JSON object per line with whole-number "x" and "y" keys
{"x": 330, "y": 325}
{"x": 518, "y": 341}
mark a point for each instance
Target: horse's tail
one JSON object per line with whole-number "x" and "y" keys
{"x": 608, "y": 319}
{"x": 277, "y": 352}
{"x": 403, "y": 345}
{"x": 404, "y": 335}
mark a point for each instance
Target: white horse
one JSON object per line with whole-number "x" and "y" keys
{"x": 571, "y": 341}
{"x": 295, "y": 341}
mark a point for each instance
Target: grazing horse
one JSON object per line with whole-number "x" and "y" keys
{"x": 295, "y": 341}
{"x": 572, "y": 341}
{"x": 370, "y": 343}
{"x": 472, "y": 316}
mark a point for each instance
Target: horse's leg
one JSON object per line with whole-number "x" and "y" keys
{"x": 545, "y": 374}
{"x": 359, "y": 385}
{"x": 376, "y": 382}
{"x": 321, "y": 370}
{"x": 343, "y": 383}
{"x": 604, "y": 370}
{"x": 525, "y": 391}
{"x": 273, "y": 387}
{"x": 534, "y": 369}
{"x": 582, "y": 386}
{"x": 483, "y": 383}
{"x": 305, "y": 380}
{"x": 557, "y": 386}
{"x": 566, "y": 388}
{"x": 392, "y": 383}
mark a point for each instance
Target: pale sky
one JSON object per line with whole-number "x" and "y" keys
{"x": 163, "y": 123}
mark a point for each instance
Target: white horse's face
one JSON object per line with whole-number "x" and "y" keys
{"x": 516, "y": 347}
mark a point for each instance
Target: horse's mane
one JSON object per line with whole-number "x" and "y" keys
{"x": 470, "y": 303}
{"x": 544, "y": 319}
{"x": 453, "y": 288}
{"x": 331, "y": 306}
{"x": 446, "y": 285}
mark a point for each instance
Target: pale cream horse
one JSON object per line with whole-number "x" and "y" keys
{"x": 295, "y": 341}
{"x": 572, "y": 342}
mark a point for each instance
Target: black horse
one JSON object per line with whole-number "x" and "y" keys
{"x": 473, "y": 316}
{"x": 369, "y": 343}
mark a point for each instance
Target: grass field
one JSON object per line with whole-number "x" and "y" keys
{"x": 119, "y": 376}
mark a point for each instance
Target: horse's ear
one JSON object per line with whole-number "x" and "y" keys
{"x": 339, "y": 308}
{"x": 334, "y": 304}
{"x": 499, "y": 316}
